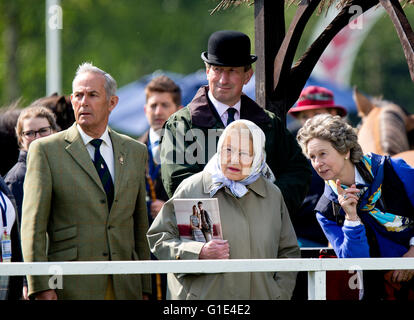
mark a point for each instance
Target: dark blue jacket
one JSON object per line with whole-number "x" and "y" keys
{"x": 15, "y": 179}
{"x": 14, "y": 284}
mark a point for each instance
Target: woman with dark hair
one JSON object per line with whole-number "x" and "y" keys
{"x": 367, "y": 209}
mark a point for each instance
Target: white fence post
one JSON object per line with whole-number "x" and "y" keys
{"x": 54, "y": 25}
{"x": 317, "y": 285}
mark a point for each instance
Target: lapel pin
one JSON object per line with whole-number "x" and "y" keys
{"x": 121, "y": 160}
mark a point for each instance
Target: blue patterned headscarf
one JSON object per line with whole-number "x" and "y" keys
{"x": 372, "y": 193}
{"x": 258, "y": 168}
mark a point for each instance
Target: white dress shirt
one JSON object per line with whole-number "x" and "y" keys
{"x": 222, "y": 108}
{"x": 106, "y": 149}
{"x": 154, "y": 139}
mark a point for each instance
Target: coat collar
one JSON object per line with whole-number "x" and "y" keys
{"x": 144, "y": 138}
{"x": 120, "y": 152}
{"x": 203, "y": 113}
{"x": 77, "y": 150}
{"x": 22, "y": 156}
{"x": 258, "y": 186}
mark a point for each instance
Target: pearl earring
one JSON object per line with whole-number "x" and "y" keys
{"x": 346, "y": 158}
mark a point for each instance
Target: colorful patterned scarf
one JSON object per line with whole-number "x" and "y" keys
{"x": 371, "y": 194}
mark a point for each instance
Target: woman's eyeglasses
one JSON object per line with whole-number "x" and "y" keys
{"x": 42, "y": 132}
{"x": 244, "y": 157}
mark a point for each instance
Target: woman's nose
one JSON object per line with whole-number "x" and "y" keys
{"x": 316, "y": 163}
{"x": 234, "y": 157}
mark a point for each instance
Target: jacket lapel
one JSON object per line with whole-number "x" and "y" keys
{"x": 80, "y": 155}
{"x": 119, "y": 159}
{"x": 204, "y": 114}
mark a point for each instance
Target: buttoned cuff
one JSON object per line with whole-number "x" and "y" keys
{"x": 350, "y": 223}
{"x": 189, "y": 250}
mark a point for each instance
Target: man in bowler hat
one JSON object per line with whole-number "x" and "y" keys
{"x": 228, "y": 63}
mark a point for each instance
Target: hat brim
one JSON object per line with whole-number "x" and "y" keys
{"x": 341, "y": 110}
{"x": 233, "y": 63}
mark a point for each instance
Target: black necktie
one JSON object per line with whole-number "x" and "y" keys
{"x": 230, "y": 112}
{"x": 103, "y": 172}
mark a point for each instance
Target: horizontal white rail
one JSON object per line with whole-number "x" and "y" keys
{"x": 204, "y": 266}
{"x": 316, "y": 268}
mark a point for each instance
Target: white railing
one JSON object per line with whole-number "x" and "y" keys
{"x": 316, "y": 268}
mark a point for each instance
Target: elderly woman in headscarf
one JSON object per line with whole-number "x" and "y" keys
{"x": 254, "y": 220}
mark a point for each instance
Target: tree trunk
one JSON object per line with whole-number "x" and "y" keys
{"x": 269, "y": 35}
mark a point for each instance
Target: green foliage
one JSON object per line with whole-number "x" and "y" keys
{"x": 381, "y": 68}
{"x": 131, "y": 38}
{"x": 127, "y": 38}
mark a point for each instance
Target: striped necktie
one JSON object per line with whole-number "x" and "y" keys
{"x": 103, "y": 172}
{"x": 230, "y": 112}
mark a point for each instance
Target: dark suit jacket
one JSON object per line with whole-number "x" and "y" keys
{"x": 13, "y": 284}
{"x": 15, "y": 179}
{"x": 159, "y": 187}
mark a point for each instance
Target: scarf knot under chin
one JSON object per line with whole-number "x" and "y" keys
{"x": 237, "y": 188}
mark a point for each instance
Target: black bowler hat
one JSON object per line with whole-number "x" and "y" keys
{"x": 228, "y": 48}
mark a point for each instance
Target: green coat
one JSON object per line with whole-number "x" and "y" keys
{"x": 191, "y": 136}
{"x": 257, "y": 226}
{"x": 64, "y": 200}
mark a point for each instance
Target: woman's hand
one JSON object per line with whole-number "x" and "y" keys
{"x": 404, "y": 275}
{"x": 46, "y": 295}
{"x": 348, "y": 200}
{"x": 215, "y": 249}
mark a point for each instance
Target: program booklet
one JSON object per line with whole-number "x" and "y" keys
{"x": 198, "y": 219}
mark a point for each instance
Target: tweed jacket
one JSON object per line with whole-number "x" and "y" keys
{"x": 191, "y": 136}
{"x": 64, "y": 201}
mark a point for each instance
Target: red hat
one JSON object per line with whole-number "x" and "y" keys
{"x": 315, "y": 97}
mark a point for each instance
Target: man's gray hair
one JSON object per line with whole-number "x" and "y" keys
{"x": 110, "y": 83}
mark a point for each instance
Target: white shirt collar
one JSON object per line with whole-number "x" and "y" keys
{"x": 358, "y": 177}
{"x": 221, "y": 107}
{"x": 86, "y": 138}
{"x": 154, "y": 135}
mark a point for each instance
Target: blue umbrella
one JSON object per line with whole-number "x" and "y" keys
{"x": 129, "y": 117}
